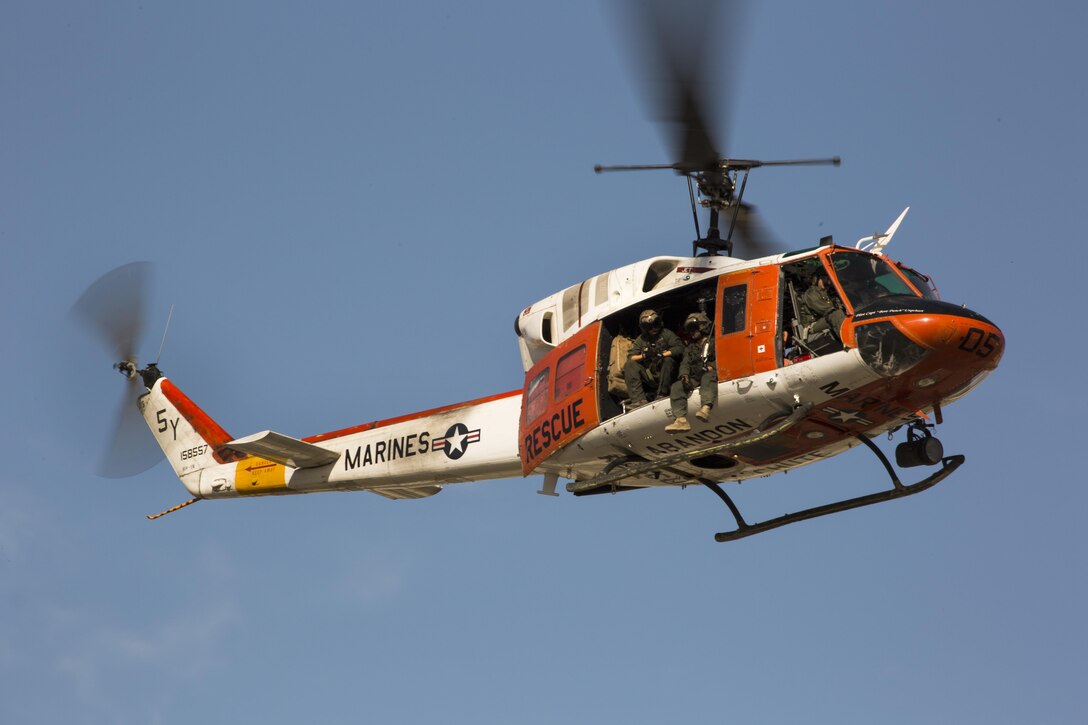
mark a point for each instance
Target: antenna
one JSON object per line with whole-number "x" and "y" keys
{"x": 877, "y": 242}
{"x": 169, "y": 316}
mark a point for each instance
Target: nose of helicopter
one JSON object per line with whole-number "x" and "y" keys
{"x": 895, "y": 334}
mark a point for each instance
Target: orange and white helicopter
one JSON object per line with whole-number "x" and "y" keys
{"x": 787, "y": 394}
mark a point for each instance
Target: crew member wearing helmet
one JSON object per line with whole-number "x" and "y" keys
{"x": 652, "y": 362}
{"x": 698, "y": 368}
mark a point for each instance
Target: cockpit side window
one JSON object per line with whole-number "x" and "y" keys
{"x": 865, "y": 278}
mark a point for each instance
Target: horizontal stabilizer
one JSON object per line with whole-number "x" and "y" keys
{"x": 286, "y": 450}
{"x": 400, "y": 492}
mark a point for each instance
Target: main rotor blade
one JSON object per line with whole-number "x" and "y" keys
{"x": 602, "y": 168}
{"x": 113, "y": 308}
{"x": 722, "y": 164}
{"x": 132, "y": 449}
{"x": 680, "y": 45}
{"x": 752, "y": 236}
{"x": 829, "y": 161}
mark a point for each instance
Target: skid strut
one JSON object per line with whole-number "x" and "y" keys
{"x": 899, "y": 490}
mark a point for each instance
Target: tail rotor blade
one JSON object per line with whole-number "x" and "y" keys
{"x": 113, "y": 308}
{"x": 132, "y": 450}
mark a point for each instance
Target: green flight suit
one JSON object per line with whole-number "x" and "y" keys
{"x": 699, "y": 368}
{"x": 819, "y": 311}
{"x": 654, "y": 371}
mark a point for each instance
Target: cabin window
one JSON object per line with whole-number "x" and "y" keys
{"x": 570, "y": 372}
{"x": 600, "y": 290}
{"x": 575, "y": 304}
{"x": 734, "y": 302}
{"x": 865, "y": 278}
{"x": 570, "y": 307}
{"x": 536, "y": 396}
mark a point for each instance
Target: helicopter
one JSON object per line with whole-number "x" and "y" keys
{"x": 789, "y": 392}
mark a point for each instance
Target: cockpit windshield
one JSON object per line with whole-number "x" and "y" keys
{"x": 865, "y": 278}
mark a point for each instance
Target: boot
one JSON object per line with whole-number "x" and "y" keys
{"x": 678, "y": 426}
{"x": 704, "y": 413}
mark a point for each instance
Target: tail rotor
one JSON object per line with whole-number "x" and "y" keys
{"x": 112, "y": 309}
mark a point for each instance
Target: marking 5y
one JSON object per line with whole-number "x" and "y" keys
{"x": 164, "y": 423}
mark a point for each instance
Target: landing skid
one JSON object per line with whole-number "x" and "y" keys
{"x": 899, "y": 490}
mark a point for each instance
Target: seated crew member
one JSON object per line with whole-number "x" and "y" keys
{"x": 698, "y": 368}
{"x": 818, "y": 311}
{"x": 652, "y": 360}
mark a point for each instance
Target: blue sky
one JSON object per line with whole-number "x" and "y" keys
{"x": 349, "y": 204}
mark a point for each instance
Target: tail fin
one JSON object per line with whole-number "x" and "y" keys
{"x": 187, "y": 435}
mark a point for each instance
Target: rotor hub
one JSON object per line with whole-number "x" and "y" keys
{"x": 126, "y": 368}
{"x": 715, "y": 190}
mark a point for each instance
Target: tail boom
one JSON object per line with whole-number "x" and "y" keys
{"x": 407, "y": 457}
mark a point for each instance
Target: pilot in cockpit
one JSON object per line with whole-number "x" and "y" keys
{"x": 818, "y": 311}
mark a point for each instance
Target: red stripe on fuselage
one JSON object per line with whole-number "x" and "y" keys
{"x": 212, "y": 433}
{"x": 410, "y": 416}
